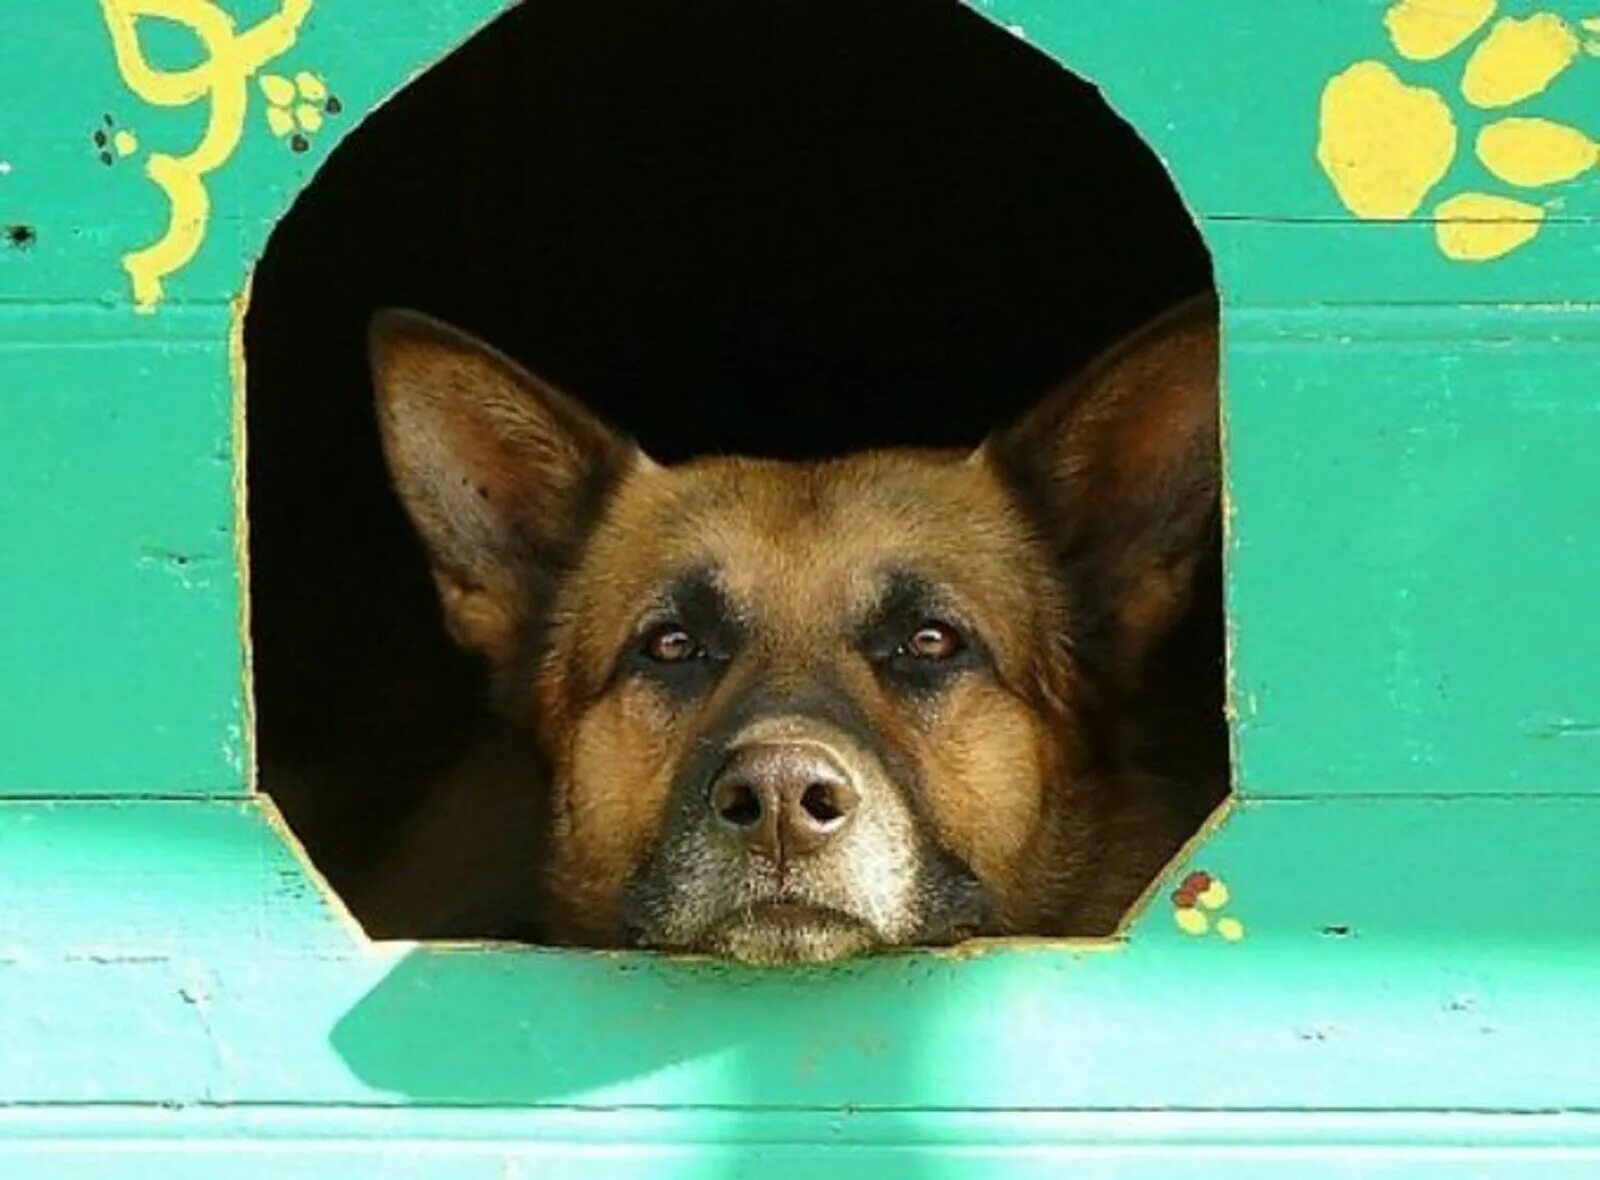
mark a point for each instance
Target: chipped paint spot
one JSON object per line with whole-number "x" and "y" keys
{"x": 1562, "y": 727}
{"x": 192, "y": 571}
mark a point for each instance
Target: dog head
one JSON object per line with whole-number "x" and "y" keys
{"x": 792, "y": 711}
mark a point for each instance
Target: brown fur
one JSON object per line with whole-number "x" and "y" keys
{"x": 1066, "y": 547}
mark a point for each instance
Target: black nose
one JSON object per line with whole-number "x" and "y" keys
{"x": 783, "y": 800}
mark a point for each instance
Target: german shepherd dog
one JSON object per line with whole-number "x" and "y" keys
{"x": 789, "y": 712}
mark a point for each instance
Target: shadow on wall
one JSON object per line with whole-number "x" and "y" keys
{"x": 522, "y": 1027}
{"x": 757, "y": 1059}
{"x": 784, "y": 230}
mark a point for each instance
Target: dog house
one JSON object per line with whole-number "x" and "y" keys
{"x": 1381, "y": 959}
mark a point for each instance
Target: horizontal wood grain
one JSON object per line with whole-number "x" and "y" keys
{"x": 1398, "y": 954}
{"x": 178, "y": 1144}
{"x": 1412, "y": 564}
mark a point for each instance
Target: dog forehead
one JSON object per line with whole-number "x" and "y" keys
{"x": 749, "y": 511}
{"x": 817, "y": 537}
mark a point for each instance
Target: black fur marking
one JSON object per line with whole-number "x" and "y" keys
{"x": 910, "y": 601}
{"x": 696, "y": 603}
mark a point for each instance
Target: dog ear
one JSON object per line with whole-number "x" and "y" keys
{"x": 1121, "y": 468}
{"x": 502, "y": 474}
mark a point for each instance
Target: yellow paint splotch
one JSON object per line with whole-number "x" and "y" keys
{"x": 1478, "y": 227}
{"x": 1422, "y": 30}
{"x": 1383, "y": 143}
{"x": 1532, "y": 151}
{"x": 1196, "y": 901}
{"x": 278, "y": 90}
{"x": 293, "y": 105}
{"x": 1214, "y": 896}
{"x": 1518, "y": 59}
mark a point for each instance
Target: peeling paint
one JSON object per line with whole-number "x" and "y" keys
{"x": 1562, "y": 727}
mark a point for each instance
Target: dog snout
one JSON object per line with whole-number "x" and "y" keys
{"x": 783, "y": 800}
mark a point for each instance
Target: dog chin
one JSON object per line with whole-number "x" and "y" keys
{"x": 769, "y": 936}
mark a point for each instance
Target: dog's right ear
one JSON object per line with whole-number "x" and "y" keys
{"x": 1121, "y": 468}
{"x": 502, "y": 474}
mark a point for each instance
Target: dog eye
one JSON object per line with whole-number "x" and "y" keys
{"x": 933, "y": 641}
{"x": 671, "y": 644}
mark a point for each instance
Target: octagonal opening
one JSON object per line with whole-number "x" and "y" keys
{"x": 901, "y": 225}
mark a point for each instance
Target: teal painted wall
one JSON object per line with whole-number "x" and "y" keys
{"x": 1415, "y": 681}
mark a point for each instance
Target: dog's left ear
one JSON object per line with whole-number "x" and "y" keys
{"x": 1120, "y": 468}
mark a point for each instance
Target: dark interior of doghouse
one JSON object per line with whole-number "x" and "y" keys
{"x": 782, "y": 229}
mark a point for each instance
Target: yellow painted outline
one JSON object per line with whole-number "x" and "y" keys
{"x": 231, "y": 59}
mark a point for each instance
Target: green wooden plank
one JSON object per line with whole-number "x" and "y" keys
{"x": 1404, "y": 954}
{"x": 1413, "y": 566}
{"x": 146, "y": 880}
{"x": 1288, "y": 264}
{"x": 276, "y": 1142}
{"x": 121, "y": 667}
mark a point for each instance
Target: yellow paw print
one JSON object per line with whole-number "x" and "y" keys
{"x": 295, "y": 107}
{"x": 112, "y": 143}
{"x": 1385, "y": 144}
{"x": 1197, "y": 899}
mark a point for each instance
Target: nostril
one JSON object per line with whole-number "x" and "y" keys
{"x": 738, "y": 804}
{"x": 821, "y": 802}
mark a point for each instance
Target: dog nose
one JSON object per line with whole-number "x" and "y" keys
{"x": 783, "y": 800}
